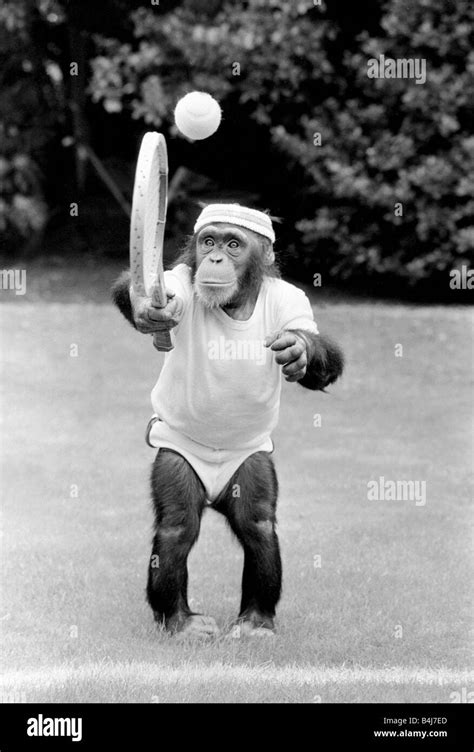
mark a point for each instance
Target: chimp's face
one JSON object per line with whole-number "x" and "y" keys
{"x": 227, "y": 259}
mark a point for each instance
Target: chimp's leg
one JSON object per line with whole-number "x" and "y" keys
{"x": 249, "y": 504}
{"x": 179, "y": 499}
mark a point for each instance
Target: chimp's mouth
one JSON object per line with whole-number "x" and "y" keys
{"x": 207, "y": 283}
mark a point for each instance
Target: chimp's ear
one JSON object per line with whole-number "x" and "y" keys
{"x": 268, "y": 253}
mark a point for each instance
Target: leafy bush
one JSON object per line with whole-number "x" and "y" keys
{"x": 29, "y": 110}
{"x": 389, "y": 141}
{"x": 304, "y": 71}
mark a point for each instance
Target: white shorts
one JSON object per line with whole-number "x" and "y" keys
{"x": 214, "y": 467}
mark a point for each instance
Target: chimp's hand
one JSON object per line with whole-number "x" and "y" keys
{"x": 291, "y": 353}
{"x": 149, "y": 318}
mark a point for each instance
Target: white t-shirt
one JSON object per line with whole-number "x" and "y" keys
{"x": 219, "y": 385}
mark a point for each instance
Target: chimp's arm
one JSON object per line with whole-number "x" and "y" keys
{"x": 325, "y": 360}
{"x": 121, "y": 296}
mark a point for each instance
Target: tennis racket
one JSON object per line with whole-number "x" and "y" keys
{"x": 147, "y": 226}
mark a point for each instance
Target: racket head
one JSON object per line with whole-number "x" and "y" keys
{"x": 149, "y": 205}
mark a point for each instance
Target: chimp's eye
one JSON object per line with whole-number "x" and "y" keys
{"x": 233, "y": 244}
{"x": 208, "y": 241}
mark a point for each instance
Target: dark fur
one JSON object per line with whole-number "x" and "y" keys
{"x": 325, "y": 361}
{"x": 252, "y": 518}
{"x": 121, "y": 296}
{"x": 179, "y": 500}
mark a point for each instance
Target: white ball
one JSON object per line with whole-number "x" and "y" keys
{"x": 197, "y": 115}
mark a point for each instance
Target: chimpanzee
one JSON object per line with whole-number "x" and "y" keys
{"x": 237, "y": 326}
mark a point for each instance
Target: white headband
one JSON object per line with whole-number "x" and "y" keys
{"x": 234, "y": 214}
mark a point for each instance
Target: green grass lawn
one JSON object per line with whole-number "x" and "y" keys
{"x": 386, "y": 617}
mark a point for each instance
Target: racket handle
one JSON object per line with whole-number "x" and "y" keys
{"x": 161, "y": 340}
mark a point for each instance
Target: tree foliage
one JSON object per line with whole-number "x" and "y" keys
{"x": 30, "y": 110}
{"x": 302, "y": 72}
{"x": 375, "y": 175}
